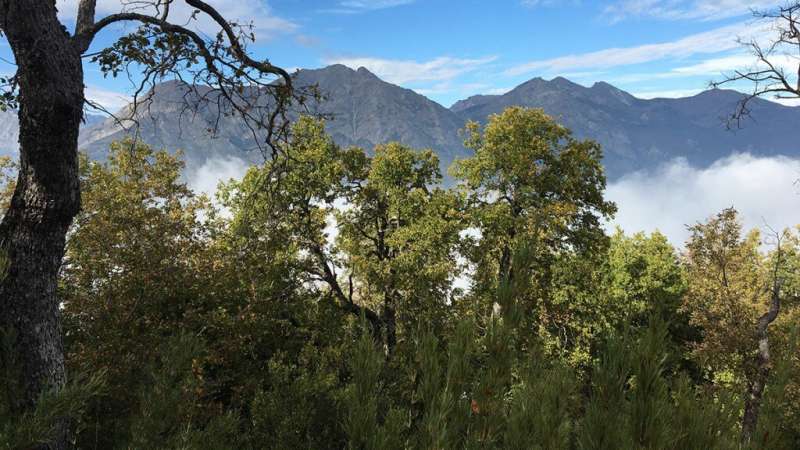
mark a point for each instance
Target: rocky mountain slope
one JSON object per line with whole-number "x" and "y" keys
{"x": 635, "y": 133}
{"x": 640, "y": 134}
{"x": 363, "y": 109}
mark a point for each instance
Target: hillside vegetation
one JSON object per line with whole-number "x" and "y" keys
{"x": 332, "y": 299}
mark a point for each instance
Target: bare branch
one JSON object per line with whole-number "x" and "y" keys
{"x": 86, "y": 11}
{"x": 767, "y": 76}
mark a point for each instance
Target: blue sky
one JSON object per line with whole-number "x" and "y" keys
{"x": 449, "y": 50}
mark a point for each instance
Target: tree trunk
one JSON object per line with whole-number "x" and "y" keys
{"x": 389, "y": 319}
{"x": 47, "y": 195}
{"x": 763, "y": 364}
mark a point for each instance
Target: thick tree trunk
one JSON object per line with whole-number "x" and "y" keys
{"x": 47, "y": 195}
{"x": 763, "y": 364}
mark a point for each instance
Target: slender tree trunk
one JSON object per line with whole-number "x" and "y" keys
{"x": 47, "y": 195}
{"x": 763, "y": 364}
{"x": 389, "y": 319}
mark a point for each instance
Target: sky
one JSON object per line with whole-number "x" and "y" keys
{"x": 449, "y": 50}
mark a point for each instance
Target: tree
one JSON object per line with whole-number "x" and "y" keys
{"x": 531, "y": 183}
{"x": 49, "y": 91}
{"x": 644, "y": 280}
{"x": 399, "y": 235}
{"x": 734, "y": 296}
{"x": 396, "y": 230}
{"x": 133, "y": 271}
{"x": 775, "y": 71}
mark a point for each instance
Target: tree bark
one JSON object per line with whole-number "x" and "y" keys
{"x": 389, "y": 319}
{"x": 47, "y": 195}
{"x": 763, "y": 365}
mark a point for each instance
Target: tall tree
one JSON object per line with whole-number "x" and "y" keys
{"x": 48, "y": 89}
{"x": 397, "y": 230}
{"x": 531, "y": 184}
{"x": 734, "y": 296}
{"x": 132, "y": 274}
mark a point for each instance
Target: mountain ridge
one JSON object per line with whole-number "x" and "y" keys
{"x": 636, "y": 134}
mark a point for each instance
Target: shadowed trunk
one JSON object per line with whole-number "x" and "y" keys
{"x": 47, "y": 195}
{"x": 763, "y": 364}
{"x": 389, "y": 318}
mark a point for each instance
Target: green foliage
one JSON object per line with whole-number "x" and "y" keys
{"x": 55, "y": 411}
{"x": 634, "y": 403}
{"x": 364, "y": 423}
{"x": 727, "y": 291}
{"x": 320, "y": 309}
{"x": 531, "y": 181}
{"x": 168, "y": 415}
{"x": 300, "y": 406}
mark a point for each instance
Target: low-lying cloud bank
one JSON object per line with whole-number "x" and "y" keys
{"x": 206, "y": 179}
{"x": 762, "y": 189}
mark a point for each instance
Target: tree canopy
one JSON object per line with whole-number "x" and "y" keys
{"x": 345, "y": 298}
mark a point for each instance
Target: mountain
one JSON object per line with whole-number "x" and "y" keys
{"x": 364, "y": 111}
{"x": 368, "y": 111}
{"x": 635, "y": 133}
{"x": 641, "y": 134}
{"x": 166, "y": 121}
{"x": 9, "y": 130}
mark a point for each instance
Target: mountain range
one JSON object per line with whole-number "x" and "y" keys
{"x": 636, "y": 134}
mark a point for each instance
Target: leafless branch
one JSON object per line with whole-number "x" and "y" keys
{"x": 767, "y": 76}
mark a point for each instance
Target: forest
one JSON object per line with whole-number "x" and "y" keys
{"x": 335, "y": 298}
{"x": 341, "y": 297}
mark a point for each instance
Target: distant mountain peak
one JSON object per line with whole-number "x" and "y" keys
{"x": 364, "y": 71}
{"x": 563, "y": 82}
{"x": 635, "y": 133}
{"x": 470, "y": 102}
{"x": 332, "y": 67}
{"x": 602, "y": 85}
{"x": 615, "y": 92}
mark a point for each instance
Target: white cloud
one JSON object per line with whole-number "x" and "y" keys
{"x": 373, "y": 4}
{"x": 206, "y": 179}
{"x": 360, "y": 6}
{"x": 498, "y": 90}
{"x": 110, "y": 100}
{"x": 684, "y": 9}
{"x": 535, "y": 3}
{"x": 762, "y": 189}
{"x": 674, "y": 93}
{"x": 711, "y": 69}
{"x": 716, "y": 65}
{"x": 256, "y": 12}
{"x": 406, "y": 71}
{"x": 709, "y": 42}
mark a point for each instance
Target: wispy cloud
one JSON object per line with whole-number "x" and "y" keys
{"x": 359, "y": 6}
{"x": 669, "y": 93}
{"x": 407, "y": 71}
{"x": 684, "y": 9}
{"x": 255, "y": 12}
{"x": 715, "y": 69}
{"x": 535, "y": 3}
{"x": 551, "y": 3}
{"x": 112, "y": 101}
{"x": 709, "y": 42}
